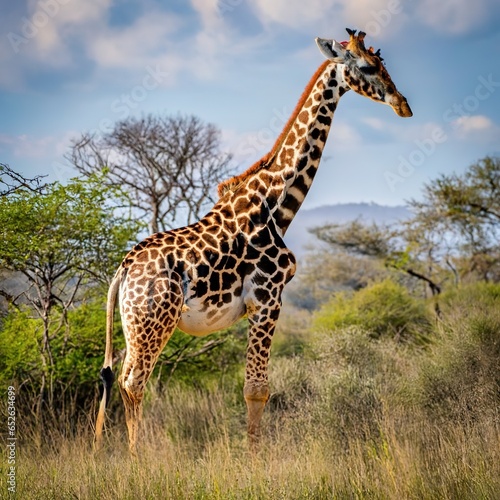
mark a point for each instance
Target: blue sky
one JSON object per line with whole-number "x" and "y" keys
{"x": 71, "y": 66}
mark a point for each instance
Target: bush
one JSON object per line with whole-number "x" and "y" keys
{"x": 71, "y": 387}
{"x": 382, "y": 309}
{"x": 20, "y": 359}
{"x": 63, "y": 400}
{"x": 197, "y": 361}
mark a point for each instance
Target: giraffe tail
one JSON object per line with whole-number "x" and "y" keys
{"x": 106, "y": 373}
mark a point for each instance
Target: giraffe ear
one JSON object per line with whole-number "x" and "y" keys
{"x": 332, "y": 50}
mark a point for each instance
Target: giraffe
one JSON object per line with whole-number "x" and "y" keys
{"x": 233, "y": 262}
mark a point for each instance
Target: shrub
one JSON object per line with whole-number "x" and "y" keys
{"x": 19, "y": 358}
{"x": 382, "y": 309}
{"x": 71, "y": 387}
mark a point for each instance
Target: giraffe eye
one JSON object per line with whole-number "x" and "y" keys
{"x": 368, "y": 70}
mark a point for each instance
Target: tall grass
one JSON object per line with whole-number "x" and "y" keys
{"x": 352, "y": 416}
{"x": 408, "y": 459}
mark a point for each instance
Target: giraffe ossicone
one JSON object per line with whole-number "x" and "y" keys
{"x": 234, "y": 262}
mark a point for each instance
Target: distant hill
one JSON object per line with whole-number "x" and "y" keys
{"x": 298, "y": 237}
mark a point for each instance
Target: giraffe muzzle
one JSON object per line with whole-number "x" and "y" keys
{"x": 401, "y": 107}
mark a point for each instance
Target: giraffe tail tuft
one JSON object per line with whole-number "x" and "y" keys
{"x": 107, "y": 377}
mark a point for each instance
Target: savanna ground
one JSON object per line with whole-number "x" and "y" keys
{"x": 379, "y": 400}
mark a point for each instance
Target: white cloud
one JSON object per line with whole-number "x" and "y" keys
{"x": 454, "y": 17}
{"x": 476, "y": 127}
{"x": 53, "y": 23}
{"x": 35, "y": 147}
{"x": 134, "y": 46}
{"x": 344, "y": 136}
{"x": 374, "y": 123}
{"x": 176, "y": 43}
{"x": 293, "y": 13}
{"x": 378, "y": 18}
{"x": 209, "y": 12}
{"x": 410, "y": 132}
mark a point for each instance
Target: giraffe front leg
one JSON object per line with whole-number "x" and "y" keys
{"x": 256, "y": 396}
{"x": 262, "y": 323}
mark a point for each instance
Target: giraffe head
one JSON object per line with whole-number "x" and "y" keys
{"x": 364, "y": 71}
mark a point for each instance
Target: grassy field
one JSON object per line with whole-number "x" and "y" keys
{"x": 350, "y": 417}
{"x": 408, "y": 459}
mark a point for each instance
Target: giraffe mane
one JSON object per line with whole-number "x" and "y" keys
{"x": 233, "y": 183}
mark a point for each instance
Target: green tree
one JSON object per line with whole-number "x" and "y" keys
{"x": 407, "y": 247}
{"x": 463, "y": 212}
{"x": 58, "y": 246}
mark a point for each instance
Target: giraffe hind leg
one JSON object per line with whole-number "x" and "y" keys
{"x": 146, "y": 335}
{"x": 132, "y": 400}
{"x": 138, "y": 365}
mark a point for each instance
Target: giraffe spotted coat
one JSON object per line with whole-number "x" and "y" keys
{"x": 234, "y": 262}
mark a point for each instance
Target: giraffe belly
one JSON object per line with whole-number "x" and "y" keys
{"x": 198, "y": 320}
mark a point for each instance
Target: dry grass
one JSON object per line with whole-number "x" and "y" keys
{"x": 458, "y": 465}
{"x": 407, "y": 457}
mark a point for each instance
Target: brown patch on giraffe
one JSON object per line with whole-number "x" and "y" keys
{"x": 290, "y": 140}
{"x": 303, "y": 117}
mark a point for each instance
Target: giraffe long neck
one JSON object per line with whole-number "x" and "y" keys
{"x": 283, "y": 177}
{"x": 298, "y": 157}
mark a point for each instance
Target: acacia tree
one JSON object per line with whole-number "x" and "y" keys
{"x": 454, "y": 233}
{"x": 463, "y": 212}
{"x": 405, "y": 247}
{"x": 58, "y": 244}
{"x": 170, "y": 165}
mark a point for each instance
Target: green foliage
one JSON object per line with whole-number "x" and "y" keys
{"x": 353, "y": 416}
{"x": 68, "y": 229}
{"x": 77, "y": 351}
{"x": 58, "y": 244}
{"x": 466, "y": 208}
{"x": 382, "y": 309}
{"x": 452, "y": 237}
{"x": 324, "y": 272}
{"x": 357, "y": 237}
{"x": 19, "y": 351}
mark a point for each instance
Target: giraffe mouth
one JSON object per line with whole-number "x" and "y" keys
{"x": 402, "y": 108}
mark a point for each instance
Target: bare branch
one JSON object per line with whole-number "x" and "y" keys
{"x": 169, "y": 165}
{"x": 11, "y": 181}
